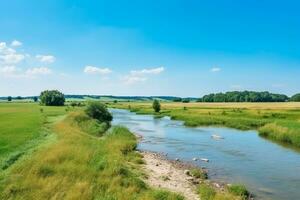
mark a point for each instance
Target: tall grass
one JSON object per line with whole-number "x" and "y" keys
{"x": 78, "y": 166}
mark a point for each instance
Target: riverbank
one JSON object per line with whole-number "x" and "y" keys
{"x": 188, "y": 180}
{"x": 163, "y": 173}
{"x": 275, "y": 121}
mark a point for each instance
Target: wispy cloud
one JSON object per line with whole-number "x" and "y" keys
{"x": 215, "y": 69}
{"x": 38, "y": 71}
{"x": 157, "y": 70}
{"x": 97, "y": 70}
{"x": 9, "y": 55}
{"x": 16, "y": 43}
{"x": 46, "y": 58}
{"x": 136, "y": 76}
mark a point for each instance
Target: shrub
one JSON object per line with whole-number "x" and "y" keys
{"x": 52, "y": 98}
{"x": 198, "y": 173}
{"x": 97, "y": 110}
{"x": 238, "y": 190}
{"x": 35, "y": 99}
{"x": 9, "y": 98}
{"x": 156, "y": 105}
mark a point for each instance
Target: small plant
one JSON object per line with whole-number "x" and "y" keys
{"x": 165, "y": 178}
{"x": 206, "y": 192}
{"x": 156, "y": 105}
{"x": 41, "y": 110}
{"x": 198, "y": 173}
{"x": 239, "y": 190}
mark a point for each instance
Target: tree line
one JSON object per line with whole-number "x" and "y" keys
{"x": 244, "y": 96}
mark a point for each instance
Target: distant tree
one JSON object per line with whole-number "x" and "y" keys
{"x": 52, "y": 98}
{"x": 295, "y": 97}
{"x": 35, "y": 99}
{"x": 19, "y": 98}
{"x": 97, "y": 110}
{"x": 9, "y": 98}
{"x": 186, "y": 101}
{"x": 177, "y": 99}
{"x": 115, "y": 101}
{"x": 245, "y": 96}
{"x": 156, "y": 105}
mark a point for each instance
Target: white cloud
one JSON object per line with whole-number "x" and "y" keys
{"x": 38, "y": 71}
{"x": 8, "y": 70}
{"x": 96, "y": 70}
{"x": 136, "y": 76}
{"x": 215, "y": 69}
{"x": 45, "y": 58}
{"x": 16, "y": 43}
{"x": 9, "y": 55}
{"x": 13, "y": 58}
{"x": 157, "y": 70}
{"x": 130, "y": 79}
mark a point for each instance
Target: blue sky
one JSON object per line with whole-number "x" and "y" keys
{"x": 183, "y": 48}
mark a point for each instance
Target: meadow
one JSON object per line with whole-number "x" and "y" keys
{"x": 61, "y": 153}
{"x": 58, "y": 160}
{"x": 279, "y": 122}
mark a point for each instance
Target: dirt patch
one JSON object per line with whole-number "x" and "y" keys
{"x": 169, "y": 175}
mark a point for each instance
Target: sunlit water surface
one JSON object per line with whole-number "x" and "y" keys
{"x": 268, "y": 170}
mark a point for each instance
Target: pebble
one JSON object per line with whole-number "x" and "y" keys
{"x": 187, "y": 172}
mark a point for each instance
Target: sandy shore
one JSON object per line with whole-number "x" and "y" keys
{"x": 169, "y": 175}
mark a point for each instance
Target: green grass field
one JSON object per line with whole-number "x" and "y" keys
{"x": 22, "y": 128}
{"x": 60, "y": 153}
{"x": 277, "y": 121}
{"x": 74, "y": 165}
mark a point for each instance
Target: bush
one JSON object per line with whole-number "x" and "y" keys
{"x": 238, "y": 190}
{"x": 35, "y": 99}
{"x": 52, "y": 98}
{"x": 97, "y": 110}
{"x": 156, "y": 105}
{"x": 186, "y": 101}
{"x": 198, "y": 173}
{"x": 9, "y": 98}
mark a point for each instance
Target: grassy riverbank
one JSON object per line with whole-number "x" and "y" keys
{"x": 75, "y": 164}
{"x": 277, "y": 121}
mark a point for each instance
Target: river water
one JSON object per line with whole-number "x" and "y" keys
{"x": 268, "y": 170}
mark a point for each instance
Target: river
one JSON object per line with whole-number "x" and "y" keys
{"x": 268, "y": 170}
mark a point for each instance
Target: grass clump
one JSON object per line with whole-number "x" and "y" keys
{"x": 206, "y": 192}
{"x": 198, "y": 173}
{"x": 239, "y": 190}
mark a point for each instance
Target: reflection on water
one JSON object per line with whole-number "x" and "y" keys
{"x": 268, "y": 170}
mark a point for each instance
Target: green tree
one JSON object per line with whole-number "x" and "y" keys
{"x": 52, "y": 98}
{"x": 97, "y": 110}
{"x": 295, "y": 97}
{"x": 156, "y": 105}
{"x": 35, "y": 99}
{"x": 9, "y": 98}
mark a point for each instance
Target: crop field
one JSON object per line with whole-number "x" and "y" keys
{"x": 277, "y": 121}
